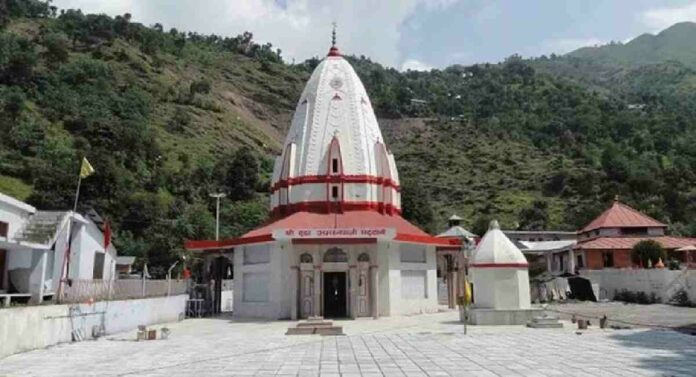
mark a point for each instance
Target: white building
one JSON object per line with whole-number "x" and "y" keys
{"x": 33, "y": 244}
{"x": 336, "y": 245}
{"x": 500, "y": 280}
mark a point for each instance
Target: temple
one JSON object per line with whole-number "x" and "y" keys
{"x": 336, "y": 244}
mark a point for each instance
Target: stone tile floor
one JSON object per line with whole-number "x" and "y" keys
{"x": 425, "y": 345}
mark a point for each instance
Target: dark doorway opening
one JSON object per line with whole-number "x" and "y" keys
{"x": 220, "y": 269}
{"x": 335, "y": 295}
{"x": 3, "y": 256}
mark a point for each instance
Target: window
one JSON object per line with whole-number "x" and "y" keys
{"x": 638, "y": 230}
{"x": 580, "y": 263}
{"x": 364, "y": 257}
{"x": 98, "y": 269}
{"x": 414, "y": 285}
{"x": 4, "y": 229}
{"x": 255, "y": 286}
{"x": 334, "y": 192}
{"x": 608, "y": 258}
{"x": 257, "y": 254}
{"x": 334, "y": 166}
{"x": 306, "y": 258}
{"x": 412, "y": 253}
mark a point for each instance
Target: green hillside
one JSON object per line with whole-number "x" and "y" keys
{"x": 167, "y": 117}
{"x": 649, "y": 68}
{"x": 675, "y": 43}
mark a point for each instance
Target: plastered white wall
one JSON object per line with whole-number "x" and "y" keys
{"x": 398, "y": 305}
{"x": 663, "y": 282}
{"x": 13, "y": 215}
{"x": 27, "y": 328}
{"x": 501, "y": 288}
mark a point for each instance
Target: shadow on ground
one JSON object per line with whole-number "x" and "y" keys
{"x": 668, "y": 355}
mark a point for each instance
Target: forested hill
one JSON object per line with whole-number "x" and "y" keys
{"x": 167, "y": 117}
{"x": 660, "y": 67}
{"x": 675, "y": 43}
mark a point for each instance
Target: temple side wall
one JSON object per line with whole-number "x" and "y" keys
{"x": 412, "y": 286}
{"x": 260, "y": 281}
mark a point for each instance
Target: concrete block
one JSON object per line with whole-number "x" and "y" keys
{"x": 493, "y": 317}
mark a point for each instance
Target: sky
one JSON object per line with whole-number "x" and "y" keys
{"x": 410, "y": 34}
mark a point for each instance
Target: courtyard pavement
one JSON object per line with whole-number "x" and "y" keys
{"x": 424, "y": 345}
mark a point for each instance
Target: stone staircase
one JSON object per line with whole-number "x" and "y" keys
{"x": 545, "y": 321}
{"x": 315, "y": 326}
{"x": 42, "y": 227}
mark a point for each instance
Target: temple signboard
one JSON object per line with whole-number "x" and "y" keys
{"x": 329, "y": 233}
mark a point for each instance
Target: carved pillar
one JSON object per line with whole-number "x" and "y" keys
{"x": 294, "y": 291}
{"x": 353, "y": 292}
{"x": 317, "y": 292}
{"x": 374, "y": 288}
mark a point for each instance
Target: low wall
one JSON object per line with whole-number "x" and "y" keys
{"x": 27, "y": 328}
{"x": 663, "y": 282}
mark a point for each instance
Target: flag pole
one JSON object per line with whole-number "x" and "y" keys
{"x": 65, "y": 271}
{"x": 77, "y": 192}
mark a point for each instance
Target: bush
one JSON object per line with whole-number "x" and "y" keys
{"x": 647, "y": 252}
{"x": 200, "y": 87}
{"x": 673, "y": 264}
{"x": 636, "y": 297}
{"x": 681, "y": 298}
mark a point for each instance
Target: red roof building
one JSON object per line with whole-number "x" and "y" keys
{"x": 607, "y": 241}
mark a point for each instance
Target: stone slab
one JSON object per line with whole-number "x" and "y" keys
{"x": 499, "y": 317}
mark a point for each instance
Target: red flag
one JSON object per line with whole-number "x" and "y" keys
{"x": 107, "y": 234}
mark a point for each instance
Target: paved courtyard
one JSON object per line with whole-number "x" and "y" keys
{"x": 425, "y": 345}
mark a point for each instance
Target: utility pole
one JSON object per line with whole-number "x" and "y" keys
{"x": 217, "y": 196}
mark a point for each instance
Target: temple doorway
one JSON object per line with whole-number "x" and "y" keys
{"x": 335, "y": 301}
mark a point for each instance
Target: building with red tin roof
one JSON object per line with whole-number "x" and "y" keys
{"x": 336, "y": 244}
{"x": 607, "y": 241}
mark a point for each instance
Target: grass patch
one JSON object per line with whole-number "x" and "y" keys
{"x": 14, "y": 187}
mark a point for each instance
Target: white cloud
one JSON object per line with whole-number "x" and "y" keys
{"x": 415, "y": 65}
{"x": 658, "y": 19}
{"x": 301, "y": 28}
{"x": 565, "y": 45}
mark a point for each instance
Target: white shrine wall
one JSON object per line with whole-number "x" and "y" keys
{"x": 501, "y": 288}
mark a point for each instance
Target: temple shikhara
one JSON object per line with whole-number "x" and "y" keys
{"x": 336, "y": 244}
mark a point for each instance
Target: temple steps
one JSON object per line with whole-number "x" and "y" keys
{"x": 315, "y": 326}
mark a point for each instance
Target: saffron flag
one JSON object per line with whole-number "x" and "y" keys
{"x": 86, "y": 169}
{"x": 467, "y": 292}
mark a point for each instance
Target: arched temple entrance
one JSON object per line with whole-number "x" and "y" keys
{"x": 334, "y": 283}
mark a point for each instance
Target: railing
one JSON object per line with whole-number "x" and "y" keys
{"x": 99, "y": 290}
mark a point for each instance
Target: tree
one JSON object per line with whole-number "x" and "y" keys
{"x": 56, "y": 48}
{"x": 534, "y": 217}
{"x": 242, "y": 175}
{"x": 416, "y": 205}
{"x": 480, "y": 225}
{"x": 647, "y": 250}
